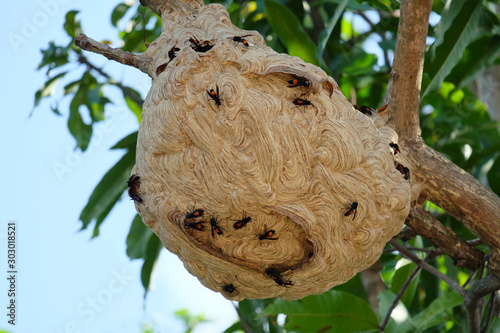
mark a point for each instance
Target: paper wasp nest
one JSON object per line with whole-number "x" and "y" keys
{"x": 255, "y": 170}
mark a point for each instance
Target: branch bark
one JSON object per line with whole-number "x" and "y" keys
{"x": 464, "y": 254}
{"x": 459, "y": 194}
{"x": 406, "y": 76}
{"x": 126, "y": 58}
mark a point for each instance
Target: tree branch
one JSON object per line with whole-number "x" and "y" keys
{"x": 405, "y": 253}
{"x": 406, "y": 76}
{"x": 443, "y": 238}
{"x": 126, "y": 58}
{"x": 459, "y": 194}
{"x": 400, "y": 294}
{"x": 473, "y": 297}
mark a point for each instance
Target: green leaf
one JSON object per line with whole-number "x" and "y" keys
{"x": 48, "y": 88}
{"x": 53, "y": 57}
{"x": 153, "y": 249}
{"x": 118, "y": 13}
{"x": 478, "y": 56}
{"x": 80, "y": 131}
{"x": 112, "y": 184}
{"x": 290, "y": 31}
{"x": 494, "y": 176}
{"x": 128, "y": 142}
{"x": 459, "y": 26}
{"x": 137, "y": 238}
{"x": 248, "y": 310}
{"x": 71, "y": 25}
{"x": 100, "y": 219}
{"x": 386, "y": 298}
{"x": 96, "y": 102}
{"x": 332, "y": 311}
{"x": 132, "y": 97}
{"x": 435, "y": 313}
{"x": 326, "y": 33}
{"x": 399, "y": 279}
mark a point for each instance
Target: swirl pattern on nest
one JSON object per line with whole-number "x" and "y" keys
{"x": 265, "y": 159}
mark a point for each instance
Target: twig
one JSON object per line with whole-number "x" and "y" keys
{"x": 405, "y": 253}
{"x": 126, "y": 58}
{"x": 473, "y": 297}
{"x": 418, "y": 249}
{"x": 243, "y": 323}
{"x": 126, "y": 91}
{"x": 386, "y": 55}
{"x": 400, "y": 294}
{"x": 489, "y": 314}
{"x": 463, "y": 253}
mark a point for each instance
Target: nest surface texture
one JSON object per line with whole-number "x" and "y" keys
{"x": 255, "y": 170}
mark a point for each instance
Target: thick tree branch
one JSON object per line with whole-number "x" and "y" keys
{"x": 126, "y": 58}
{"x": 406, "y": 76}
{"x": 459, "y": 194}
{"x": 464, "y": 254}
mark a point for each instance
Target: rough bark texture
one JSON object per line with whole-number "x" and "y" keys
{"x": 464, "y": 254}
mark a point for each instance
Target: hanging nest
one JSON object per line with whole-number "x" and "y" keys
{"x": 255, "y": 170}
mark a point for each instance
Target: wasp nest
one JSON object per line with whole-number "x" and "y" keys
{"x": 255, "y": 170}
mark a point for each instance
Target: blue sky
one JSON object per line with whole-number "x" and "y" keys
{"x": 67, "y": 282}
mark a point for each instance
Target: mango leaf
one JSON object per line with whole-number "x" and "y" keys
{"x": 326, "y": 33}
{"x": 118, "y": 13}
{"x": 53, "y": 57}
{"x": 248, "y": 310}
{"x": 138, "y": 238}
{"x": 153, "y": 249}
{"x": 494, "y": 176}
{"x": 134, "y": 101}
{"x": 477, "y": 57}
{"x": 459, "y": 26}
{"x": 72, "y": 26}
{"x": 332, "y": 311}
{"x": 47, "y": 89}
{"x": 435, "y": 313}
{"x": 128, "y": 142}
{"x": 386, "y": 298}
{"x": 100, "y": 219}
{"x": 80, "y": 131}
{"x": 96, "y": 102}
{"x": 401, "y": 276}
{"x": 290, "y": 31}
{"x": 111, "y": 185}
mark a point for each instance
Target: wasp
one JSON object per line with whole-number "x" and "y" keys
{"x": 197, "y": 45}
{"x": 195, "y": 225}
{"x": 243, "y": 222}
{"x": 239, "y": 39}
{"x": 215, "y": 95}
{"x": 171, "y": 53}
{"x": 299, "y": 83}
{"x": 352, "y": 210}
{"x": 229, "y": 288}
{"x": 301, "y": 102}
{"x": 194, "y": 213}
{"x": 215, "y": 227}
{"x": 268, "y": 234}
{"x": 133, "y": 183}
{"x": 404, "y": 170}
{"x": 395, "y": 147}
{"x": 364, "y": 109}
{"x": 273, "y": 274}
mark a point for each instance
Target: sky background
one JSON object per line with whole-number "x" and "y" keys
{"x": 67, "y": 282}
